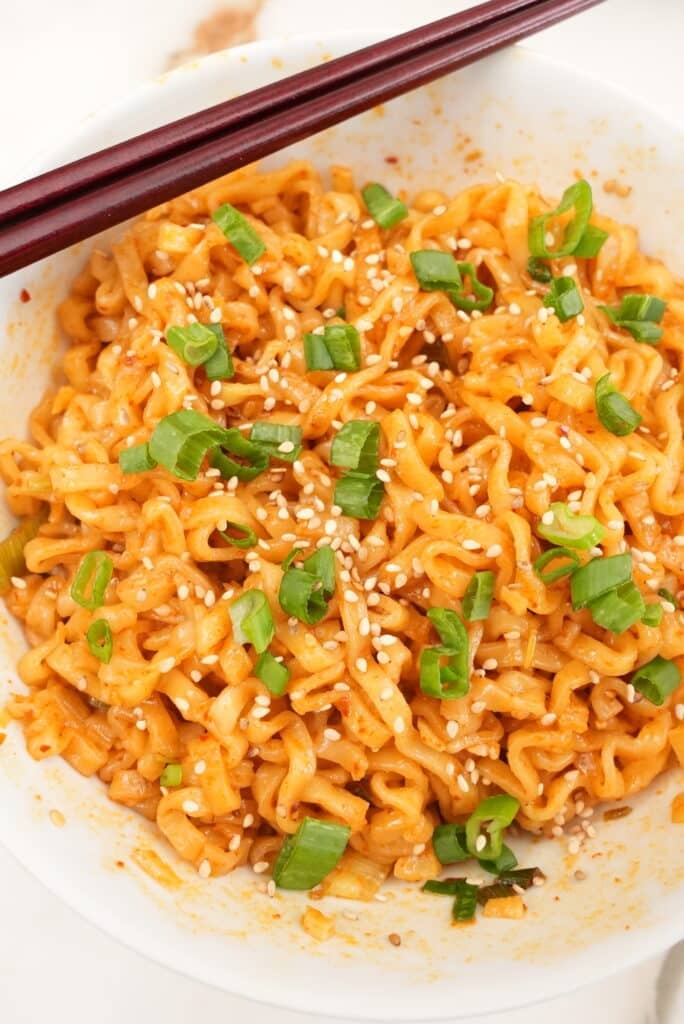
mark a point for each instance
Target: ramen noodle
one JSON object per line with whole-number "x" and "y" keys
{"x": 484, "y": 439}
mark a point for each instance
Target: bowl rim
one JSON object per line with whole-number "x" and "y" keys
{"x": 627, "y": 948}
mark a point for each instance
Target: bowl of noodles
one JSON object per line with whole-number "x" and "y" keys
{"x": 345, "y": 541}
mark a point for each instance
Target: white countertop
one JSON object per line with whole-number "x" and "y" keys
{"x": 60, "y": 60}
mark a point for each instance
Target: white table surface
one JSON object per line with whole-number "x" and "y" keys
{"x": 60, "y": 60}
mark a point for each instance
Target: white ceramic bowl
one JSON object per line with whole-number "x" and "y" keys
{"x": 531, "y": 120}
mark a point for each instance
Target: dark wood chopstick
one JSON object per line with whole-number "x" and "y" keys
{"x": 196, "y": 129}
{"x": 34, "y": 236}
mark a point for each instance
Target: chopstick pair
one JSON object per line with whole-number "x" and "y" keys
{"x": 66, "y": 205}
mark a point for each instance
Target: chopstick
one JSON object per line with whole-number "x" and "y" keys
{"x": 33, "y": 228}
{"x": 195, "y": 129}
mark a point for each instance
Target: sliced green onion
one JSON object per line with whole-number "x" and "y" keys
{"x": 577, "y": 197}
{"x": 506, "y": 861}
{"x": 92, "y": 580}
{"x": 539, "y": 271}
{"x": 310, "y": 854}
{"x": 305, "y": 592}
{"x": 356, "y": 445}
{"x": 597, "y": 577}
{"x": 444, "y": 886}
{"x": 100, "y": 643}
{"x": 656, "y": 680}
{"x": 449, "y": 844}
{"x": 281, "y": 440}
{"x": 638, "y": 307}
{"x": 647, "y": 332}
{"x": 496, "y": 891}
{"x": 171, "y": 776}
{"x": 465, "y": 903}
{"x": 12, "y": 561}
{"x": 443, "y": 673}
{"x": 477, "y": 599}
{"x": 570, "y": 561}
{"x": 136, "y": 459}
{"x": 668, "y": 596}
{"x": 239, "y": 233}
{"x": 272, "y": 673}
{"x": 359, "y": 495}
{"x": 338, "y": 348}
{"x": 382, "y": 206}
{"x": 444, "y": 668}
{"x": 255, "y": 456}
{"x": 591, "y": 242}
{"x": 439, "y": 271}
{"x": 653, "y": 614}
{"x": 301, "y": 595}
{"x": 322, "y": 565}
{"x": 289, "y": 559}
{"x": 489, "y": 819}
{"x": 246, "y": 538}
{"x": 613, "y": 409}
{"x": 478, "y": 596}
{"x": 619, "y": 608}
{"x": 639, "y": 315}
{"x": 180, "y": 442}
{"x": 482, "y": 292}
{"x": 194, "y": 343}
{"x": 435, "y": 270}
{"x": 252, "y": 620}
{"x": 564, "y": 299}
{"x": 451, "y": 630}
{"x": 220, "y": 365}
{"x": 524, "y": 877}
{"x": 569, "y": 530}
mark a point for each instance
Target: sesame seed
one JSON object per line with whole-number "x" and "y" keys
{"x": 478, "y": 707}
{"x": 471, "y": 545}
{"x": 260, "y": 867}
{"x": 452, "y": 729}
{"x": 190, "y": 807}
{"x": 480, "y": 843}
{"x": 494, "y": 551}
{"x": 548, "y": 719}
{"x": 490, "y": 664}
{"x": 399, "y": 724}
{"x": 18, "y": 582}
{"x": 332, "y": 734}
{"x": 362, "y": 664}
